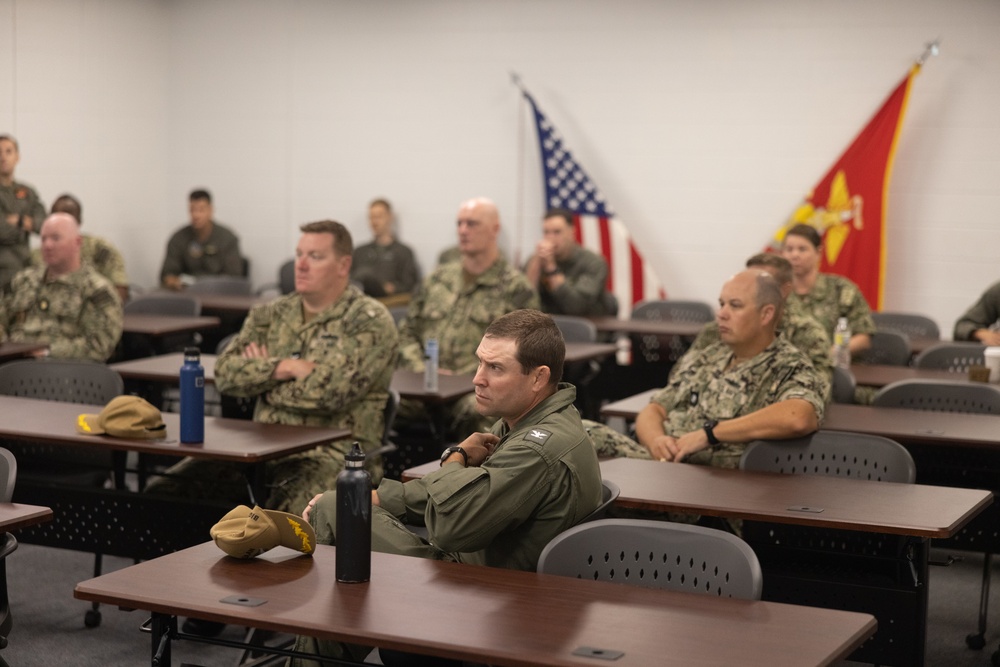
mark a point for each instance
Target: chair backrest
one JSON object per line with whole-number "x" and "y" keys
{"x": 609, "y": 493}
{"x": 940, "y": 396}
{"x": 677, "y": 311}
{"x": 576, "y": 329}
{"x": 238, "y": 285}
{"x": 60, "y": 380}
{"x": 834, "y": 454}
{"x": 164, "y": 304}
{"x": 286, "y": 277}
{"x": 954, "y": 357}
{"x": 8, "y": 475}
{"x": 844, "y": 385}
{"x": 888, "y": 347}
{"x": 656, "y": 554}
{"x": 610, "y": 303}
{"x": 914, "y": 326}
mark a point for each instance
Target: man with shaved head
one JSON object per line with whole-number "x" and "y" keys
{"x": 455, "y": 305}
{"x": 63, "y": 303}
{"x": 749, "y": 385}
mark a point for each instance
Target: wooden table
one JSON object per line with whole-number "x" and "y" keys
{"x": 879, "y": 375}
{"x": 823, "y": 541}
{"x": 93, "y": 519}
{"x": 10, "y": 351}
{"x": 18, "y": 515}
{"x": 157, "y": 326}
{"x": 506, "y": 617}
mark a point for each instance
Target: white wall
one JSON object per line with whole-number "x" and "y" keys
{"x": 704, "y": 123}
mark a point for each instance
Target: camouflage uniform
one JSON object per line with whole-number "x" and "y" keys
{"x": 455, "y": 309}
{"x": 219, "y": 255}
{"x": 353, "y": 343}
{"x": 541, "y": 479}
{"x": 833, "y": 297}
{"x": 582, "y": 293}
{"x": 100, "y": 254}
{"x": 14, "y": 253}
{"x": 798, "y": 328}
{"x": 701, "y": 389}
{"x": 79, "y": 315}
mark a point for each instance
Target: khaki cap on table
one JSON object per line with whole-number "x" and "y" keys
{"x": 246, "y": 533}
{"x": 124, "y": 417}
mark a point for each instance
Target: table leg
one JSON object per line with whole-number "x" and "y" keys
{"x": 164, "y": 627}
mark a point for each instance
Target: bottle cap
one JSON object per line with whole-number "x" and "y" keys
{"x": 192, "y": 352}
{"x": 356, "y": 457}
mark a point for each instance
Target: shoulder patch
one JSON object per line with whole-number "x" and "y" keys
{"x": 538, "y": 435}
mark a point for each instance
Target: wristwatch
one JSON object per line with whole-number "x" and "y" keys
{"x": 455, "y": 449}
{"x": 709, "y": 425}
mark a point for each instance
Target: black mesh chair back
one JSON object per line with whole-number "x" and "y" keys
{"x": 890, "y": 348}
{"x": 656, "y": 554}
{"x": 834, "y": 454}
{"x": 236, "y": 285}
{"x": 667, "y": 348}
{"x": 66, "y": 382}
{"x": 940, "y": 396}
{"x": 908, "y": 324}
{"x": 844, "y": 385}
{"x": 677, "y": 311}
{"x": 954, "y": 357}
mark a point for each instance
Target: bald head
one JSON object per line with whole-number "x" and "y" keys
{"x": 61, "y": 244}
{"x": 478, "y": 228}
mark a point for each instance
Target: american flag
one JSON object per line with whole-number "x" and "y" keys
{"x": 567, "y": 186}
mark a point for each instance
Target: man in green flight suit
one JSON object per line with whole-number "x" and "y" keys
{"x": 21, "y": 213}
{"x": 499, "y": 497}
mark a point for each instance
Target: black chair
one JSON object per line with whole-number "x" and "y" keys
{"x": 8, "y": 543}
{"x": 957, "y": 396}
{"x": 908, "y": 324}
{"x": 609, "y": 493}
{"x": 67, "y": 382}
{"x": 668, "y": 348}
{"x": 888, "y": 347}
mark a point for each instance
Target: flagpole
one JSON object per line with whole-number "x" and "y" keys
{"x": 519, "y": 227}
{"x": 930, "y": 49}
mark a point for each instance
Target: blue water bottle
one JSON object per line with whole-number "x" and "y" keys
{"x": 192, "y": 397}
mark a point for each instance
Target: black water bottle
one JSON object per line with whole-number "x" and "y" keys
{"x": 354, "y": 519}
{"x": 192, "y": 397}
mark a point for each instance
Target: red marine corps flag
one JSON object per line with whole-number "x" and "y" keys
{"x": 567, "y": 186}
{"x": 848, "y": 205}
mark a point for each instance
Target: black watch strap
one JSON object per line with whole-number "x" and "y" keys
{"x": 710, "y": 433}
{"x": 455, "y": 449}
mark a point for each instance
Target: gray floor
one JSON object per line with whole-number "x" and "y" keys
{"x": 48, "y": 622}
